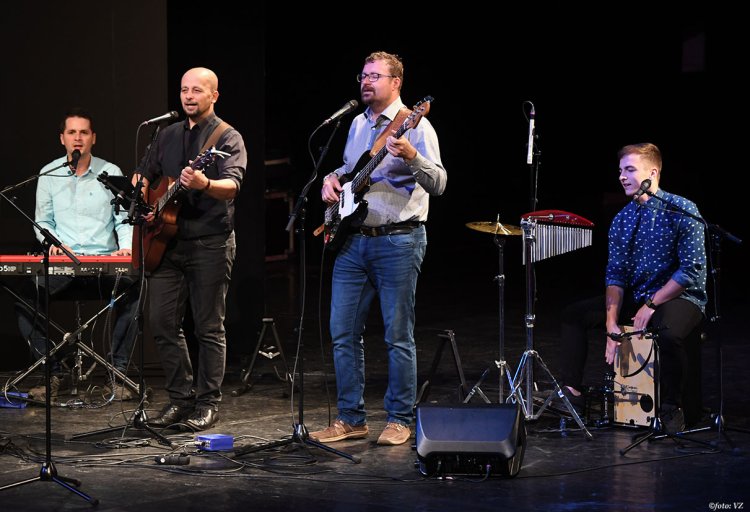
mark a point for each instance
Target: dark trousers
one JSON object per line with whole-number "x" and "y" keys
{"x": 197, "y": 271}
{"x": 677, "y": 340}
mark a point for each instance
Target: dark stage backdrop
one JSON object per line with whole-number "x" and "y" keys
{"x": 597, "y": 86}
{"x": 107, "y": 57}
{"x": 123, "y": 62}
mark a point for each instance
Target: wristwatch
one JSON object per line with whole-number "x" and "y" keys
{"x": 650, "y": 303}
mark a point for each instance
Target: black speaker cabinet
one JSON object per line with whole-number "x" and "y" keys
{"x": 466, "y": 439}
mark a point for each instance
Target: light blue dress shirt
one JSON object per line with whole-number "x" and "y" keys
{"x": 399, "y": 191}
{"x": 77, "y": 209}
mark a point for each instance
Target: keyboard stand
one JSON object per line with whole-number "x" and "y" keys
{"x": 73, "y": 339}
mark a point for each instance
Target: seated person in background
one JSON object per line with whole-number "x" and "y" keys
{"x": 656, "y": 277}
{"x": 76, "y": 208}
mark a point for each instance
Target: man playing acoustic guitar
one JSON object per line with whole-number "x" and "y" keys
{"x": 196, "y": 265}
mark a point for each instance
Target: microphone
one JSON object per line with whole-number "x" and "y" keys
{"x": 530, "y": 150}
{"x": 350, "y": 105}
{"x": 643, "y": 189}
{"x": 164, "y": 117}
{"x": 175, "y": 459}
{"x": 74, "y": 157}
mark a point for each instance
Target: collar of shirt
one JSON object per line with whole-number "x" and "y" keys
{"x": 390, "y": 112}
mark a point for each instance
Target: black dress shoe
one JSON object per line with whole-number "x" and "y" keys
{"x": 203, "y": 419}
{"x": 170, "y": 415}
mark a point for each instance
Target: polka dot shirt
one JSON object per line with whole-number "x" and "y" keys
{"x": 650, "y": 244}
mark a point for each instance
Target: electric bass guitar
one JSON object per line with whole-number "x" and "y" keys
{"x": 351, "y": 208}
{"x": 168, "y": 198}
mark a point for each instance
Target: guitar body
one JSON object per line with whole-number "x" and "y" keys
{"x": 165, "y": 200}
{"x": 157, "y": 234}
{"x": 351, "y": 208}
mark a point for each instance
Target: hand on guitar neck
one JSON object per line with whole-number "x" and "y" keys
{"x": 331, "y": 188}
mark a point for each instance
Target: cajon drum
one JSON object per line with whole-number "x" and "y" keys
{"x": 634, "y": 387}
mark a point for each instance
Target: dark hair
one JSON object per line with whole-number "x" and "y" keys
{"x": 76, "y": 112}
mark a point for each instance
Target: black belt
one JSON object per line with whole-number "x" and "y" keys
{"x": 400, "y": 228}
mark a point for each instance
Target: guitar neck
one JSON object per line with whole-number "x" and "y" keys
{"x": 169, "y": 195}
{"x": 360, "y": 180}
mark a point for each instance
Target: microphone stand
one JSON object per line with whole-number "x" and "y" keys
{"x": 532, "y": 160}
{"x": 137, "y": 209}
{"x": 48, "y": 471}
{"x": 300, "y": 434}
{"x": 716, "y": 235}
{"x": 36, "y": 177}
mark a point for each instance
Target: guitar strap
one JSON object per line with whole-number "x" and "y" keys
{"x": 394, "y": 125}
{"x": 214, "y": 137}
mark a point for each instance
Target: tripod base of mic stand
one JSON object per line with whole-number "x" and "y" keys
{"x": 717, "y": 425}
{"x": 48, "y": 473}
{"x": 139, "y": 421}
{"x": 656, "y": 432}
{"x": 300, "y": 436}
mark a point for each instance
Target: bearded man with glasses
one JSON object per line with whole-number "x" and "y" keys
{"x": 382, "y": 256}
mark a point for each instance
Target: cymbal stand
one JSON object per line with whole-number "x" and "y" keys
{"x": 501, "y": 363}
{"x": 525, "y": 370}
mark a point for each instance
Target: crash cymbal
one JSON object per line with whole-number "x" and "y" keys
{"x": 495, "y": 228}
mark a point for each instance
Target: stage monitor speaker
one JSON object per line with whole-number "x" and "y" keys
{"x": 466, "y": 439}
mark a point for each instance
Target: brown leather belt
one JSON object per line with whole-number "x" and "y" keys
{"x": 400, "y": 228}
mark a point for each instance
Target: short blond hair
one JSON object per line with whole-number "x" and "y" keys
{"x": 645, "y": 150}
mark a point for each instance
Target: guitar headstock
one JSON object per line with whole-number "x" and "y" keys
{"x": 419, "y": 110}
{"x": 207, "y": 157}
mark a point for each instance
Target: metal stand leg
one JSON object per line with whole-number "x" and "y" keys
{"x": 77, "y": 373}
{"x": 656, "y": 427}
{"x": 525, "y": 370}
{"x": 463, "y": 388}
{"x": 73, "y": 338}
{"x": 271, "y": 352}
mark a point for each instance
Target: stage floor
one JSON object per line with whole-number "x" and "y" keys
{"x": 560, "y": 470}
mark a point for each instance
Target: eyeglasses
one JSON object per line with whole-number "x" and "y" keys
{"x": 372, "y": 77}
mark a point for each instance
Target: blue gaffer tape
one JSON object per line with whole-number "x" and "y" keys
{"x": 10, "y": 402}
{"x": 214, "y": 442}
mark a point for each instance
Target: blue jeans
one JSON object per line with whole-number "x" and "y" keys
{"x": 387, "y": 267}
{"x": 198, "y": 271}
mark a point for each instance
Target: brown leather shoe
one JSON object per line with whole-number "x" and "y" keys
{"x": 394, "y": 433}
{"x": 120, "y": 391}
{"x": 339, "y": 431}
